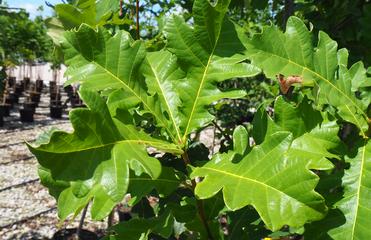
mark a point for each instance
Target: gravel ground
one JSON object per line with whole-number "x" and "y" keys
{"x": 27, "y": 211}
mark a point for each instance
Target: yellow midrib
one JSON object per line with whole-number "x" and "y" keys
{"x": 321, "y": 77}
{"x": 254, "y": 181}
{"x": 136, "y": 95}
{"x": 197, "y": 96}
{"x": 359, "y": 189}
{"x": 167, "y": 104}
{"x": 200, "y": 87}
{"x": 144, "y": 142}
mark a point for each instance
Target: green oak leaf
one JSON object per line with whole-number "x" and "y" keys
{"x": 93, "y": 162}
{"x": 91, "y": 12}
{"x": 315, "y": 138}
{"x": 208, "y": 53}
{"x": 100, "y": 61}
{"x": 140, "y": 228}
{"x": 212, "y": 208}
{"x": 245, "y": 224}
{"x": 142, "y": 185}
{"x": 162, "y": 73}
{"x": 325, "y": 67}
{"x": 350, "y": 216}
{"x": 274, "y": 178}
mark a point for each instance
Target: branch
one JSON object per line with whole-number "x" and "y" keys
{"x": 11, "y": 8}
{"x": 200, "y": 204}
{"x": 137, "y": 15}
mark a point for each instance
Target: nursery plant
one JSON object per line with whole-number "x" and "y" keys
{"x": 303, "y": 169}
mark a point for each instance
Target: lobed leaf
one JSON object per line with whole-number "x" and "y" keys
{"x": 274, "y": 177}
{"x": 103, "y": 62}
{"x": 140, "y": 228}
{"x": 293, "y": 53}
{"x": 349, "y": 217}
{"x": 93, "y": 162}
{"x": 209, "y": 53}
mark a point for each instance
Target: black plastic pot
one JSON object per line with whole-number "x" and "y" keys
{"x": 39, "y": 85}
{"x": 55, "y": 103}
{"x": 52, "y": 86}
{"x": 26, "y": 114}
{"x": 11, "y": 81}
{"x": 80, "y": 105}
{"x": 56, "y": 111}
{"x": 76, "y": 102}
{"x": 26, "y": 82}
{"x": 15, "y": 98}
{"x": 30, "y": 105}
{"x": 68, "y": 89}
{"x": 18, "y": 89}
{"x": 1, "y": 120}
{"x": 5, "y": 109}
{"x": 12, "y": 99}
{"x": 55, "y": 96}
{"x": 35, "y": 97}
{"x": 70, "y": 233}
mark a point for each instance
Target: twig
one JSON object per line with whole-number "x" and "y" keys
{"x": 137, "y": 16}
{"x": 110, "y": 219}
{"x": 288, "y": 11}
{"x": 78, "y": 231}
{"x": 11, "y": 8}
{"x": 200, "y": 204}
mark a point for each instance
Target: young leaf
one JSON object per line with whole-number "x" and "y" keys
{"x": 208, "y": 54}
{"x": 162, "y": 73}
{"x": 93, "y": 162}
{"x": 90, "y": 12}
{"x": 280, "y": 188}
{"x": 293, "y": 53}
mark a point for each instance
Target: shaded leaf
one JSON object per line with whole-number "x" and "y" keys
{"x": 140, "y": 228}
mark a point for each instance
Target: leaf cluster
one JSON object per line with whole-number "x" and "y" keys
{"x": 294, "y": 170}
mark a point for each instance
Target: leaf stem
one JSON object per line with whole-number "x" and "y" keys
{"x": 185, "y": 158}
{"x": 200, "y": 204}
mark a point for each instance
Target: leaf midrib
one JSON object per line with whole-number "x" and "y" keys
{"x": 256, "y": 182}
{"x": 166, "y": 102}
{"x": 319, "y": 76}
{"x": 197, "y": 96}
{"x": 153, "y": 180}
{"x": 123, "y": 83}
{"x": 200, "y": 86}
{"x": 359, "y": 189}
{"x": 137, "y": 96}
{"x": 143, "y": 142}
